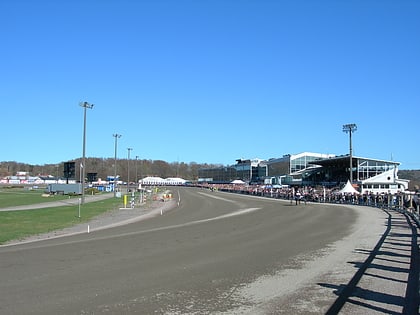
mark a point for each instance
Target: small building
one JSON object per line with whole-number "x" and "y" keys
{"x": 65, "y": 189}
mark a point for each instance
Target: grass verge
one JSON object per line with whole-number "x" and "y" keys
{"x": 10, "y": 197}
{"x": 16, "y": 225}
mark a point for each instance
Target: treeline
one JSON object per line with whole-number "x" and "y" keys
{"x": 413, "y": 176}
{"x": 140, "y": 169}
{"x": 105, "y": 167}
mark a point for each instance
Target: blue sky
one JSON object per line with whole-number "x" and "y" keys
{"x": 209, "y": 81}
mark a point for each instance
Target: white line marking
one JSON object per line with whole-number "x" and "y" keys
{"x": 220, "y": 217}
{"x": 217, "y": 197}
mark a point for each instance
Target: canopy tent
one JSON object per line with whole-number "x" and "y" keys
{"x": 172, "y": 181}
{"x": 348, "y": 189}
{"x": 152, "y": 180}
{"x": 237, "y": 181}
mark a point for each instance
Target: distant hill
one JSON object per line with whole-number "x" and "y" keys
{"x": 413, "y": 176}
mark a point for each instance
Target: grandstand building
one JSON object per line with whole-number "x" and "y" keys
{"x": 249, "y": 171}
{"x": 288, "y": 169}
{"x": 370, "y": 175}
{"x": 311, "y": 169}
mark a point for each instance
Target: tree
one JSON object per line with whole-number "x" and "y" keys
{"x": 105, "y": 167}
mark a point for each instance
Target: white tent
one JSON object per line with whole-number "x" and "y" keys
{"x": 172, "y": 181}
{"x": 237, "y": 181}
{"x": 175, "y": 181}
{"x": 152, "y": 180}
{"x": 348, "y": 189}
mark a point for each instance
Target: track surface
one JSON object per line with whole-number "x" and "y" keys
{"x": 215, "y": 253}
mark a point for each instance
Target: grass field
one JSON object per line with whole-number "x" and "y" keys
{"x": 19, "y": 224}
{"x": 10, "y": 197}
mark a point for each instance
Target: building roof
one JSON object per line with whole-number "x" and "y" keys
{"x": 345, "y": 160}
{"x": 299, "y": 155}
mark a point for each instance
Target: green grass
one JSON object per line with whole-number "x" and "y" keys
{"x": 20, "y": 224}
{"x": 10, "y": 197}
{"x": 16, "y": 225}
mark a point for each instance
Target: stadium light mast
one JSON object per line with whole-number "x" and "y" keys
{"x": 85, "y": 106}
{"x": 350, "y": 128}
{"x": 116, "y": 136}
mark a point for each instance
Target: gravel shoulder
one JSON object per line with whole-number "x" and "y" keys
{"x": 313, "y": 283}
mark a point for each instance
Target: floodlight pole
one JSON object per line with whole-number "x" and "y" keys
{"x": 116, "y": 136}
{"x": 85, "y": 105}
{"x": 128, "y": 169}
{"x": 350, "y": 128}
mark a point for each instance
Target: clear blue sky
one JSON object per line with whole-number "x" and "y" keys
{"x": 209, "y": 81}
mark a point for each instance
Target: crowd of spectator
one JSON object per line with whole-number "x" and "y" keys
{"x": 321, "y": 194}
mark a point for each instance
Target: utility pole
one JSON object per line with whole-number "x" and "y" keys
{"x": 128, "y": 169}
{"x": 350, "y": 128}
{"x": 116, "y": 136}
{"x": 137, "y": 157}
{"x": 85, "y": 105}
